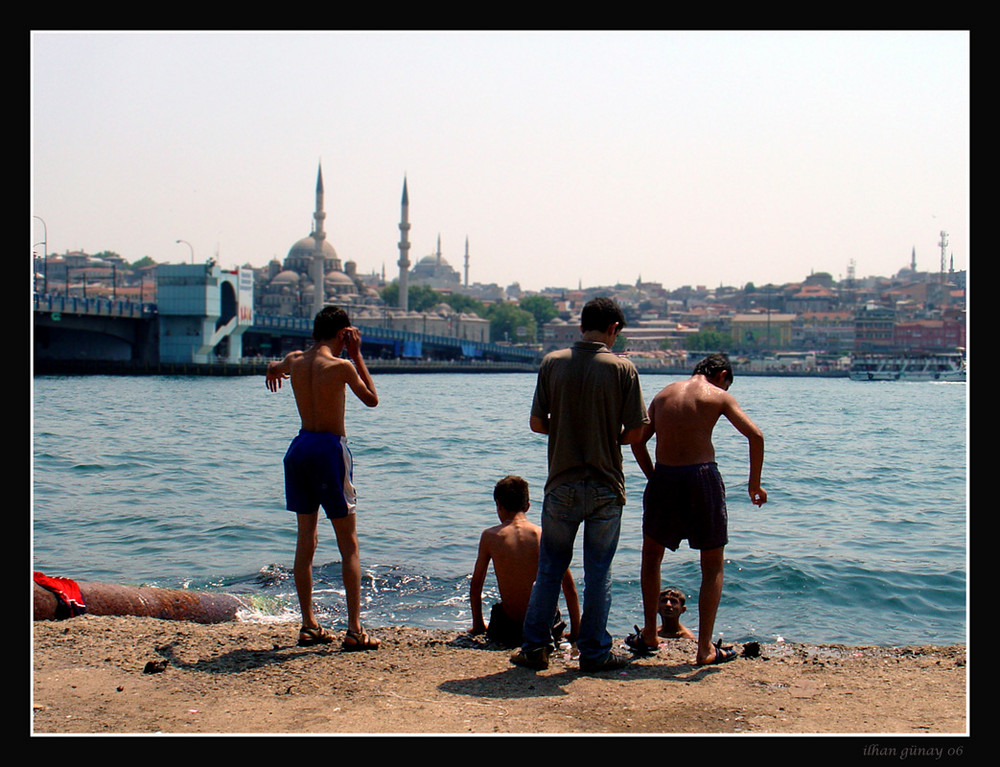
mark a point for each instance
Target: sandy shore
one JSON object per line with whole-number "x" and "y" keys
{"x": 104, "y": 675}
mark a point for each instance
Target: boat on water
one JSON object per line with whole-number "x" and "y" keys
{"x": 908, "y": 367}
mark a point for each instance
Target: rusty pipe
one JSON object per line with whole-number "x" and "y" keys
{"x": 144, "y": 601}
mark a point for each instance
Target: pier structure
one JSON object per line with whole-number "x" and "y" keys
{"x": 203, "y": 312}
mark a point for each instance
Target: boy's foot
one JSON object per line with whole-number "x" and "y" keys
{"x": 355, "y": 641}
{"x": 309, "y": 636}
{"x": 638, "y": 645}
{"x": 537, "y": 658}
{"x": 722, "y": 655}
{"x": 610, "y": 662}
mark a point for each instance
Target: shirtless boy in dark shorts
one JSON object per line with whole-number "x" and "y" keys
{"x": 685, "y": 496}
{"x": 318, "y": 463}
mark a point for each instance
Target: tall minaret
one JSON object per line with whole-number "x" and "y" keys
{"x": 404, "y": 252}
{"x": 466, "y": 260}
{"x": 317, "y": 268}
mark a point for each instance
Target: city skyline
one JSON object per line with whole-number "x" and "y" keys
{"x": 565, "y": 158}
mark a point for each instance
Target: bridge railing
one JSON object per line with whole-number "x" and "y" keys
{"x": 97, "y": 306}
{"x": 301, "y": 325}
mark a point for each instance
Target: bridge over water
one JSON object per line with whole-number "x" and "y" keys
{"x": 98, "y": 333}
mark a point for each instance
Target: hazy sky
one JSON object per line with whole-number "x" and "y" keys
{"x": 686, "y": 158}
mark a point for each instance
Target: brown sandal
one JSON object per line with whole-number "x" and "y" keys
{"x": 313, "y": 636}
{"x": 359, "y": 641}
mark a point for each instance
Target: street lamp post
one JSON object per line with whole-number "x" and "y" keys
{"x": 190, "y": 246}
{"x": 45, "y": 255}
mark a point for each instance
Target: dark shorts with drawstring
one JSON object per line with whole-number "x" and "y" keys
{"x": 686, "y": 502}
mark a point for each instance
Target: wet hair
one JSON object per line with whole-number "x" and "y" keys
{"x": 599, "y": 313}
{"x": 674, "y": 593}
{"x": 511, "y": 493}
{"x": 329, "y": 321}
{"x": 714, "y": 364}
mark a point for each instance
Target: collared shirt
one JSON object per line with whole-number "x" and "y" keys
{"x": 588, "y": 395}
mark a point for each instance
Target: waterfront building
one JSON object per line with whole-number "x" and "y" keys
{"x": 873, "y": 327}
{"x": 762, "y": 330}
{"x": 825, "y": 331}
{"x": 944, "y": 335}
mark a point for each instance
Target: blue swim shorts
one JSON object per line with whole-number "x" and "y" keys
{"x": 686, "y": 502}
{"x": 319, "y": 471}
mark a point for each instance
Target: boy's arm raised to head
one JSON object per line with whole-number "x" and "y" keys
{"x": 361, "y": 382}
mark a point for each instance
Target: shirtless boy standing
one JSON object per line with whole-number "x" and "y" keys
{"x": 685, "y": 496}
{"x": 513, "y": 547}
{"x": 318, "y": 463}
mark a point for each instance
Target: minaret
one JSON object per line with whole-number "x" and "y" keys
{"x": 404, "y": 252}
{"x": 466, "y": 260}
{"x": 317, "y": 268}
{"x": 913, "y": 260}
{"x": 438, "y": 259}
{"x": 943, "y": 244}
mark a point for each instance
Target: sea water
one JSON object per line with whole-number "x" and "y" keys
{"x": 177, "y": 482}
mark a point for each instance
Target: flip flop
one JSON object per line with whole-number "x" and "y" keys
{"x": 313, "y": 636}
{"x": 722, "y": 655}
{"x": 637, "y": 644}
{"x": 359, "y": 642}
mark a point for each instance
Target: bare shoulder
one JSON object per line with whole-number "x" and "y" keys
{"x": 515, "y": 532}
{"x": 490, "y": 532}
{"x": 330, "y": 365}
{"x": 667, "y": 391}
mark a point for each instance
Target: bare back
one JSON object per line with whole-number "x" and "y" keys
{"x": 318, "y": 381}
{"x": 683, "y": 416}
{"x": 513, "y": 547}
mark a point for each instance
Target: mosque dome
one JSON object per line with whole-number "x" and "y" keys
{"x": 286, "y": 277}
{"x": 433, "y": 260}
{"x": 337, "y": 278}
{"x": 306, "y": 249}
{"x": 338, "y": 283}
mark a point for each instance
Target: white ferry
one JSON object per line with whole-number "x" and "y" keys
{"x": 908, "y": 367}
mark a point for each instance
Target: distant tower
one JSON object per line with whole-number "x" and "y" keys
{"x": 466, "y": 260}
{"x": 437, "y": 259}
{"x": 404, "y": 252}
{"x": 943, "y": 245}
{"x": 317, "y": 268}
{"x": 913, "y": 260}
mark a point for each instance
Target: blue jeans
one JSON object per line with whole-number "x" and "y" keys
{"x": 599, "y": 509}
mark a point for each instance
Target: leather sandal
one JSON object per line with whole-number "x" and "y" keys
{"x": 359, "y": 641}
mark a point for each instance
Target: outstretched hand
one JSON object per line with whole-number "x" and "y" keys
{"x": 273, "y": 378}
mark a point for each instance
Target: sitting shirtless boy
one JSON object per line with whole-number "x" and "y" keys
{"x": 513, "y": 547}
